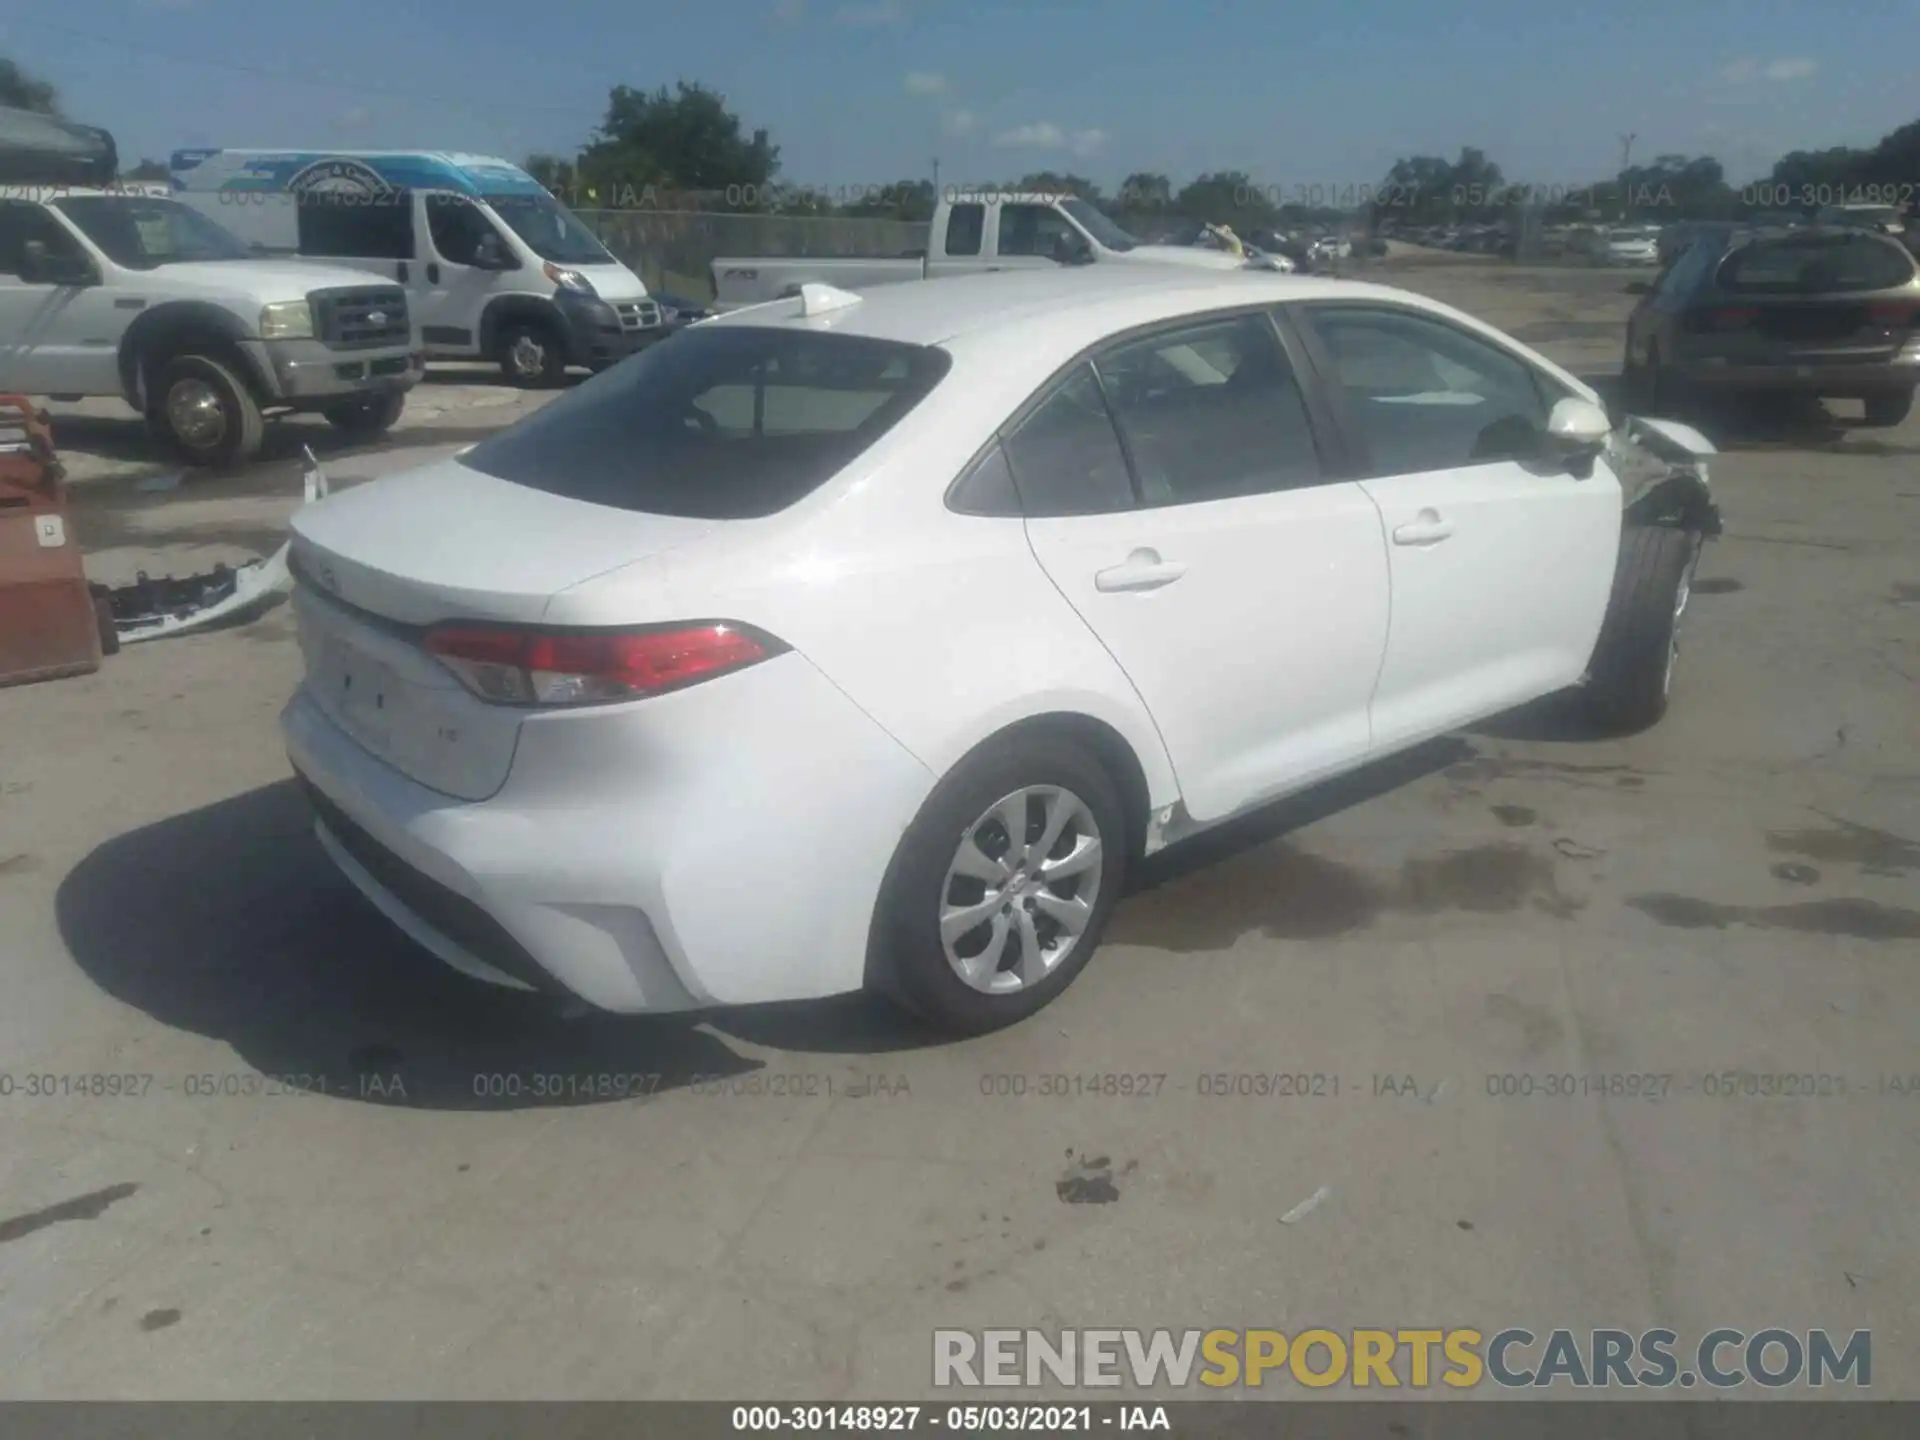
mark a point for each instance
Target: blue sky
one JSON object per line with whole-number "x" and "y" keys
{"x": 858, "y": 92}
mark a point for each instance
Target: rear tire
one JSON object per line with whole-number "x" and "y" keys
{"x": 206, "y": 412}
{"x": 366, "y": 417}
{"x": 1889, "y": 409}
{"x": 1630, "y": 678}
{"x": 533, "y": 354}
{"x": 1045, "y": 780}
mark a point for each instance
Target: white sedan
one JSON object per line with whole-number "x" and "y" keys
{"x": 865, "y": 641}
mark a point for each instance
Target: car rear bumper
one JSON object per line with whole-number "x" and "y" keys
{"x": 723, "y": 845}
{"x": 1838, "y": 379}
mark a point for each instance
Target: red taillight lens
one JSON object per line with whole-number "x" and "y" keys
{"x": 1729, "y": 317}
{"x": 1893, "y": 314}
{"x": 591, "y": 667}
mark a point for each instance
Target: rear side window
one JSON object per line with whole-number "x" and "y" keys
{"x": 1210, "y": 412}
{"x": 1816, "y": 265}
{"x": 966, "y": 223}
{"x": 1066, "y": 455}
{"x": 719, "y": 423}
{"x": 346, "y": 228}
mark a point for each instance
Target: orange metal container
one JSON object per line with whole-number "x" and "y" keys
{"x": 49, "y": 624}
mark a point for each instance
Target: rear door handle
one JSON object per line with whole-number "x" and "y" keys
{"x": 1427, "y": 528}
{"x": 1143, "y": 570}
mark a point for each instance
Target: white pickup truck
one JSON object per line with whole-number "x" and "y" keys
{"x": 971, "y": 231}
{"x": 107, "y": 291}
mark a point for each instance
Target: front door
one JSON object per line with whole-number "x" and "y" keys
{"x": 452, "y": 291}
{"x": 1176, "y": 495}
{"x": 55, "y": 339}
{"x": 1502, "y": 563}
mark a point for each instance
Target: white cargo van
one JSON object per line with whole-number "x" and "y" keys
{"x": 494, "y": 267}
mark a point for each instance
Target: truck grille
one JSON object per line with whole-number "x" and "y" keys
{"x": 361, "y": 319}
{"x": 637, "y": 314}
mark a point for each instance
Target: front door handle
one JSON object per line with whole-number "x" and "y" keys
{"x": 433, "y": 274}
{"x": 1143, "y": 570}
{"x": 1427, "y": 528}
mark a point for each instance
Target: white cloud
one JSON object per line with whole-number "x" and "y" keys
{"x": 925, "y": 82}
{"x": 878, "y": 12}
{"x": 1747, "y": 69}
{"x": 959, "y": 122}
{"x": 1045, "y": 135}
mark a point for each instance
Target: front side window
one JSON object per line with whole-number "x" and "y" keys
{"x": 1425, "y": 395}
{"x": 1066, "y": 455}
{"x": 143, "y": 234}
{"x": 457, "y": 227}
{"x": 1210, "y": 412}
{"x": 21, "y": 221}
{"x": 723, "y": 422}
{"x": 1034, "y": 230}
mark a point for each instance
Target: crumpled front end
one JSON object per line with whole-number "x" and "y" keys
{"x": 1662, "y": 466}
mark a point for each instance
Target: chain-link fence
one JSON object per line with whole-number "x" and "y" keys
{"x": 671, "y": 249}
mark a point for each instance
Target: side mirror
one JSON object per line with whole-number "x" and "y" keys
{"x": 491, "y": 254}
{"x": 1577, "y": 429}
{"x": 37, "y": 267}
{"x": 1072, "y": 250}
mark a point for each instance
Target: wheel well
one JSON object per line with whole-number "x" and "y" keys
{"x": 163, "y": 335}
{"x": 1682, "y": 502}
{"x": 1110, "y": 748}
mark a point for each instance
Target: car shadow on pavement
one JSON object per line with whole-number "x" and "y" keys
{"x": 230, "y": 922}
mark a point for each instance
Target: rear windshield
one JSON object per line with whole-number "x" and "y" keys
{"x": 720, "y": 422}
{"x": 1816, "y": 265}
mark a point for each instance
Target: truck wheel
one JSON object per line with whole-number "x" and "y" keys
{"x": 366, "y": 416}
{"x": 1889, "y": 409}
{"x": 1631, "y": 674}
{"x": 206, "y": 411}
{"x": 533, "y": 355}
{"x": 999, "y": 891}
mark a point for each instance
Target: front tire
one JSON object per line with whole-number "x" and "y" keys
{"x": 533, "y": 354}
{"x": 1889, "y": 409}
{"x": 1630, "y": 678}
{"x": 206, "y": 412}
{"x": 999, "y": 892}
{"x": 366, "y": 417}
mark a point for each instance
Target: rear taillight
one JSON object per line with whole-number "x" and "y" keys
{"x": 509, "y": 666}
{"x": 1894, "y": 315}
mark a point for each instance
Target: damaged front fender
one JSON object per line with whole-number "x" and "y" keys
{"x": 1662, "y": 465}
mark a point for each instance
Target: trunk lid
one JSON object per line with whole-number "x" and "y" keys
{"x": 379, "y": 564}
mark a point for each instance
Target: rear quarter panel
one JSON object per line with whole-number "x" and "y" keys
{"x": 941, "y": 627}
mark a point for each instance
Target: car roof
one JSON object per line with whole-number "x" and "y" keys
{"x": 1100, "y": 298}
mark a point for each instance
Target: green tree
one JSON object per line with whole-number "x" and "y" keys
{"x": 1145, "y": 190}
{"x": 553, "y": 172}
{"x": 680, "y": 139}
{"x": 902, "y": 200}
{"x": 20, "y": 90}
{"x": 1053, "y": 182}
{"x": 1227, "y": 197}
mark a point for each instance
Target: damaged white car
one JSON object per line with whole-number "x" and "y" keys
{"x": 866, "y": 640}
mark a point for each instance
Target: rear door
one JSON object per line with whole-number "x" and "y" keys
{"x": 1178, "y": 496}
{"x": 1501, "y": 564}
